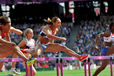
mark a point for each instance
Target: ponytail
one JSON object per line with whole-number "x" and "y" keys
{"x": 48, "y": 21}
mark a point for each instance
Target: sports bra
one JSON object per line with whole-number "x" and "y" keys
{"x": 107, "y": 39}
{"x": 44, "y": 35}
{"x": 2, "y": 34}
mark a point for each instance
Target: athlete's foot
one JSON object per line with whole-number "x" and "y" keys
{"x": 83, "y": 57}
{"x": 15, "y": 72}
{"x": 31, "y": 61}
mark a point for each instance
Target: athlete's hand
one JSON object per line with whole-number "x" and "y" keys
{"x": 13, "y": 44}
{"x": 31, "y": 50}
{"x": 10, "y": 44}
{"x": 28, "y": 50}
{"x": 63, "y": 38}
{"x": 96, "y": 47}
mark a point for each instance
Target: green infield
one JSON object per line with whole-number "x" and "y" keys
{"x": 76, "y": 72}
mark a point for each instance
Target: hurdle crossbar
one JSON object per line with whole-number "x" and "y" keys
{"x": 54, "y": 58}
{"x": 63, "y": 58}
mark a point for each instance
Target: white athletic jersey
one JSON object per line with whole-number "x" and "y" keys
{"x": 112, "y": 38}
{"x": 107, "y": 39}
{"x": 30, "y": 44}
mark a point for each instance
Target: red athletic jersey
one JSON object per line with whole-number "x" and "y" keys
{"x": 2, "y": 34}
{"x": 53, "y": 31}
{"x": 29, "y": 45}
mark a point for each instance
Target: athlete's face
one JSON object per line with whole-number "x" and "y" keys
{"x": 30, "y": 34}
{"x": 57, "y": 23}
{"x": 6, "y": 27}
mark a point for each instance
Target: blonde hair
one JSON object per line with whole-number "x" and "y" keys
{"x": 26, "y": 31}
{"x": 47, "y": 20}
{"x": 51, "y": 21}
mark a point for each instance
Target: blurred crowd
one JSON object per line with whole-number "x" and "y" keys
{"x": 85, "y": 39}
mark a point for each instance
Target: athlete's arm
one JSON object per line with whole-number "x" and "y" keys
{"x": 17, "y": 31}
{"x": 6, "y": 42}
{"x": 101, "y": 35}
{"x": 34, "y": 42}
{"x": 8, "y": 37}
{"x": 22, "y": 43}
{"x": 107, "y": 34}
{"x": 98, "y": 38}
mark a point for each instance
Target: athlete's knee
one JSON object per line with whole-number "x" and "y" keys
{"x": 102, "y": 67}
{"x": 36, "y": 54}
{"x": 94, "y": 75}
{"x": 110, "y": 51}
{"x": 15, "y": 56}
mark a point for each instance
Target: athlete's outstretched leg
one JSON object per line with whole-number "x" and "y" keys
{"x": 19, "y": 53}
{"x": 55, "y": 47}
{"x": 7, "y": 50}
{"x": 102, "y": 67}
{"x": 104, "y": 62}
{"x": 38, "y": 51}
{"x": 33, "y": 69}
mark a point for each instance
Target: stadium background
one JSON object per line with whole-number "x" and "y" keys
{"x": 82, "y": 20}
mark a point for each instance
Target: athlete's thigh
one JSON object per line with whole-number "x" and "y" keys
{"x": 4, "y": 48}
{"x": 110, "y": 50}
{"x": 105, "y": 62}
{"x": 54, "y": 48}
{"x": 28, "y": 55}
{"x": 5, "y": 51}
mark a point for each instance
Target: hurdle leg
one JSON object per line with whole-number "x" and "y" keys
{"x": 57, "y": 67}
{"x": 31, "y": 72}
{"x": 111, "y": 69}
{"x": 85, "y": 69}
{"x": 89, "y": 70}
{"x": 61, "y": 66}
{"x": 26, "y": 69}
